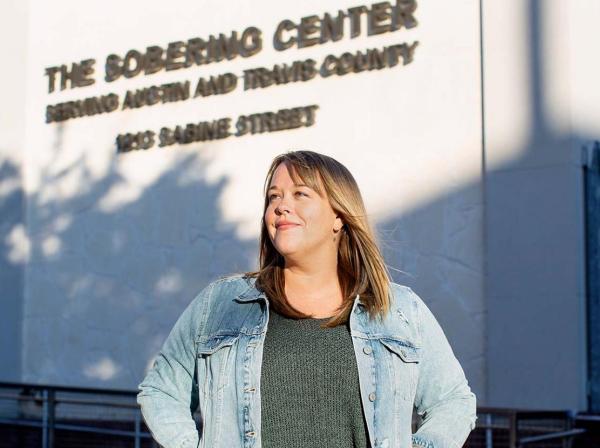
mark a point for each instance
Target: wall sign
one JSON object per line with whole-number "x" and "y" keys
{"x": 382, "y": 17}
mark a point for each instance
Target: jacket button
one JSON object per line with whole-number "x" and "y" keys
{"x": 367, "y": 350}
{"x": 372, "y": 396}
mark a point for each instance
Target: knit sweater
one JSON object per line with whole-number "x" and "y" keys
{"x": 310, "y": 395}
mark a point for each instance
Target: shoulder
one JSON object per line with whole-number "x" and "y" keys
{"x": 407, "y": 304}
{"x": 233, "y": 280}
{"x": 229, "y": 285}
{"x": 401, "y": 321}
{"x": 403, "y": 296}
{"x": 416, "y": 311}
{"x": 216, "y": 300}
{"x": 222, "y": 293}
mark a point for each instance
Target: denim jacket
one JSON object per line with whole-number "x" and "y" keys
{"x": 212, "y": 360}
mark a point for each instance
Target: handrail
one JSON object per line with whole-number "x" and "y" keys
{"x": 552, "y": 435}
{"x": 82, "y": 428}
{"x": 517, "y": 416}
{"x": 75, "y": 389}
{"x": 71, "y": 401}
{"x": 50, "y": 396}
{"x": 47, "y": 396}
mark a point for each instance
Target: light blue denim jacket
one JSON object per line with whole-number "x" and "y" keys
{"x": 212, "y": 359}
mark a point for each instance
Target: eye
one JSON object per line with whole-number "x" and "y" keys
{"x": 301, "y": 193}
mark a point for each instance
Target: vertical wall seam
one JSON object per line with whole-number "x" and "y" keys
{"x": 484, "y": 199}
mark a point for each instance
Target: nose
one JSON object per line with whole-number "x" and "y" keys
{"x": 282, "y": 206}
{"x": 280, "y": 209}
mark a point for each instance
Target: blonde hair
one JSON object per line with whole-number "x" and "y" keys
{"x": 361, "y": 267}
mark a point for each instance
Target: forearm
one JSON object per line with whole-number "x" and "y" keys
{"x": 444, "y": 399}
{"x": 169, "y": 421}
{"x": 168, "y": 392}
{"x": 448, "y": 424}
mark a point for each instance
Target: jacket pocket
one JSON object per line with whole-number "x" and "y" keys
{"x": 403, "y": 362}
{"x": 405, "y": 350}
{"x": 213, "y": 356}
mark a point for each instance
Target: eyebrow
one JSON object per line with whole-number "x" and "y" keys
{"x": 275, "y": 187}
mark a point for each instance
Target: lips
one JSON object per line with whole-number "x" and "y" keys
{"x": 285, "y": 225}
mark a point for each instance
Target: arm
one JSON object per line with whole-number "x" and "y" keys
{"x": 443, "y": 397}
{"x": 166, "y": 392}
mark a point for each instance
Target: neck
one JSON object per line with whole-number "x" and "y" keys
{"x": 313, "y": 289}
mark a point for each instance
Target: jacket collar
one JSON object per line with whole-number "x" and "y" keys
{"x": 251, "y": 294}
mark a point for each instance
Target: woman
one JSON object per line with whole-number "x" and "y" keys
{"x": 318, "y": 348}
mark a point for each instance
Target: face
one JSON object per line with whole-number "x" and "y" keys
{"x": 310, "y": 222}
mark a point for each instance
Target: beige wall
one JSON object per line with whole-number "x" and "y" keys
{"x": 121, "y": 243}
{"x": 489, "y": 235}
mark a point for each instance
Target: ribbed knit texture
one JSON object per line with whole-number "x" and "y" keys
{"x": 310, "y": 393}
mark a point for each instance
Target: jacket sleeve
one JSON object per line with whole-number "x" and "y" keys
{"x": 166, "y": 393}
{"x": 443, "y": 399}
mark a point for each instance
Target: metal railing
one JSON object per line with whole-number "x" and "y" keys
{"x": 73, "y": 409}
{"x": 516, "y": 428}
{"x": 113, "y": 415}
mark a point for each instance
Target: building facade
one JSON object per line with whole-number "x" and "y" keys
{"x": 135, "y": 138}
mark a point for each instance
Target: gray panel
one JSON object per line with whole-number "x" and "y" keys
{"x": 534, "y": 290}
{"x": 592, "y": 212}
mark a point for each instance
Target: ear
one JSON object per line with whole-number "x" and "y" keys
{"x": 338, "y": 224}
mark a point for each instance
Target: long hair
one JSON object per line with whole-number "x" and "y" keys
{"x": 361, "y": 268}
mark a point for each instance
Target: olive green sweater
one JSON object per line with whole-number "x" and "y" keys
{"x": 310, "y": 394}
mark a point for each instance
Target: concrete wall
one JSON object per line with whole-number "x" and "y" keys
{"x": 476, "y": 198}
{"x": 13, "y": 232}
{"x": 541, "y": 107}
{"x": 481, "y": 214}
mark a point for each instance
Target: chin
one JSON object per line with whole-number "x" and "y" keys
{"x": 287, "y": 250}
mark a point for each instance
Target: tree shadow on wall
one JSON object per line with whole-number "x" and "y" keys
{"x": 108, "y": 282}
{"x": 12, "y": 262}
